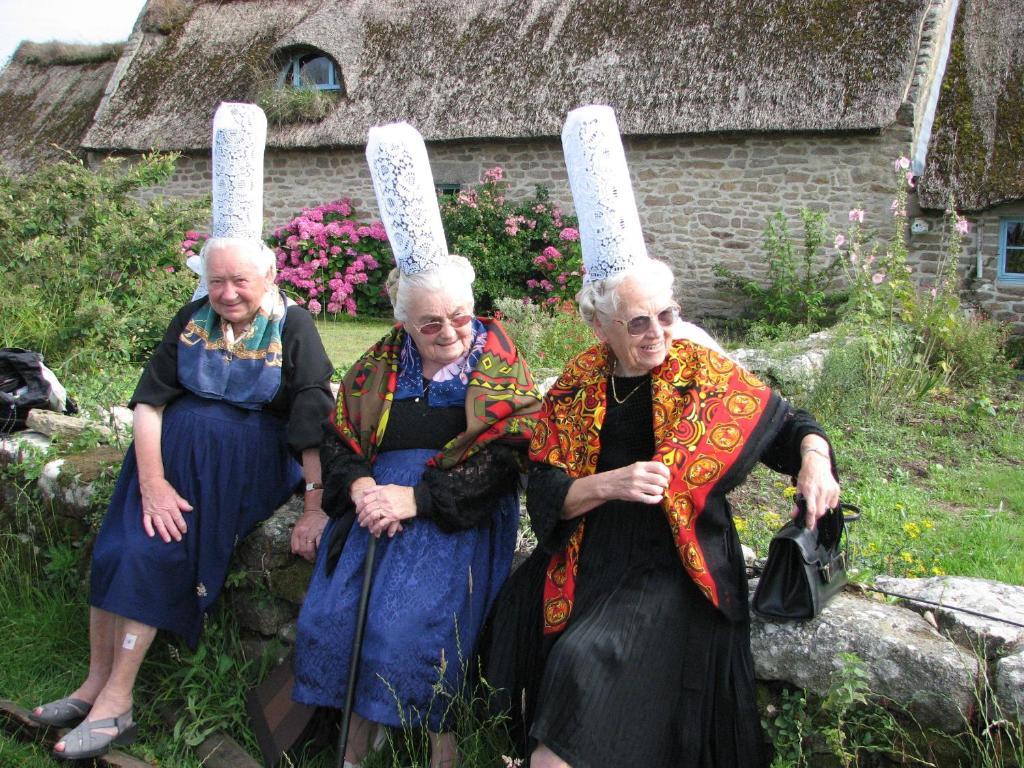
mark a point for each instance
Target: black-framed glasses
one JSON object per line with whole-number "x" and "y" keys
{"x": 639, "y": 325}
{"x": 435, "y": 326}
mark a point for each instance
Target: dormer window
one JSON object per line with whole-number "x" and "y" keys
{"x": 310, "y": 69}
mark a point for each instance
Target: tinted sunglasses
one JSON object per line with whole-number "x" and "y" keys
{"x": 639, "y": 325}
{"x": 435, "y": 326}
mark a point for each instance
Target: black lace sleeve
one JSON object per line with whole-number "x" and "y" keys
{"x": 463, "y": 497}
{"x": 783, "y": 455}
{"x": 340, "y": 467}
{"x": 545, "y": 498}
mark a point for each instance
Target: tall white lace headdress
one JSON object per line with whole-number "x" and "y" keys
{"x": 406, "y": 196}
{"x": 610, "y": 233}
{"x": 239, "y": 136}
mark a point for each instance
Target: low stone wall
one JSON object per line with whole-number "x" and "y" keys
{"x": 933, "y": 662}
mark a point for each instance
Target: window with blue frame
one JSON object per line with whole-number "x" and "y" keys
{"x": 309, "y": 68}
{"x": 1011, "y": 251}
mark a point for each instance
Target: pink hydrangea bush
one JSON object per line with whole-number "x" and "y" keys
{"x": 332, "y": 263}
{"x": 525, "y": 249}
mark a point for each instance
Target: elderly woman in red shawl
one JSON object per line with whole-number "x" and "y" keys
{"x": 624, "y": 639}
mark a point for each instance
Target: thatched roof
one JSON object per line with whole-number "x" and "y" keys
{"x": 510, "y": 68}
{"x": 976, "y": 153}
{"x": 48, "y": 94}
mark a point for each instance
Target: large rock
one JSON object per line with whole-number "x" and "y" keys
{"x": 946, "y": 593}
{"x": 790, "y": 365}
{"x": 907, "y": 660}
{"x": 1008, "y": 681}
{"x": 51, "y": 423}
{"x": 269, "y": 546}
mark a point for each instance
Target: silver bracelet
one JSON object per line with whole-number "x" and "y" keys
{"x": 818, "y": 451}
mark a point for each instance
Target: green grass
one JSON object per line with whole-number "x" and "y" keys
{"x": 347, "y": 338}
{"x": 941, "y": 487}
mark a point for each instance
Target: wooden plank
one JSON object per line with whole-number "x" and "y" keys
{"x": 16, "y": 722}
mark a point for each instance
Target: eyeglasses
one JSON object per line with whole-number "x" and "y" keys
{"x": 639, "y": 325}
{"x": 435, "y": 326}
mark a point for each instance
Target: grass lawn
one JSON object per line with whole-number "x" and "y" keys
{"x": 347, "y": 338}
{"x": 941, "y": 488}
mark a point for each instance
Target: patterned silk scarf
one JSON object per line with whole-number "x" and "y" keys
{"x": 501, "y": 398}
{"x": 245, "y": 371}
{"x": 705, "y": 409}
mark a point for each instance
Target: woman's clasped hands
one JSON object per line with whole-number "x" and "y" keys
{"x": 382, "y": 508}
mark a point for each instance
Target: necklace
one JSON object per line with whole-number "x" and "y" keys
{"x": 615, "y": 394}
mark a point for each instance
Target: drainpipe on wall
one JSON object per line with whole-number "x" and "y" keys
{"x": 977, "y": 241}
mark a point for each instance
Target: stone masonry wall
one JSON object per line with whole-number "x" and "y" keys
{"x": 1003, "y": 301}
{"x": 704, "y": 200}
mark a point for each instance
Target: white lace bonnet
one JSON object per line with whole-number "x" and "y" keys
{"x": 610, "y": 233}
{"x": 239, "y": 135}
{"x": 406, "y": 196}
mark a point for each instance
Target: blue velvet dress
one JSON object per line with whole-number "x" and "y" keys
{"x": 431, "y": 592}
{"x": 231, "y": 425}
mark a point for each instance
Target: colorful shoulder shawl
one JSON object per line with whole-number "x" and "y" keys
{"x": 501, "y": 398}
{"x": 706, "y": 410}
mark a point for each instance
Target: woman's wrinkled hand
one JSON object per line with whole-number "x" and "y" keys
{"x": 307, "y": 533}
{"x": 643, "y": 481}
{"x": 383, "y": 508}
{"x": 818, "y": 487}
{"x": 162, "y": 509}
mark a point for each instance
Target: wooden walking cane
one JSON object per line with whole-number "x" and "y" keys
{"x": 357, "y": 645}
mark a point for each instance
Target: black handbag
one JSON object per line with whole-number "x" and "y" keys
{"x": 805, "y": 569}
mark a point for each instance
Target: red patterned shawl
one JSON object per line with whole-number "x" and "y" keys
{"x": 501, "y": 398}
{"x": 706, "y": 409}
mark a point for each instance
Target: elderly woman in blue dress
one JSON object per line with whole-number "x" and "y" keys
{"x": 424, "y": 452}
{"x": 237, "y": 389}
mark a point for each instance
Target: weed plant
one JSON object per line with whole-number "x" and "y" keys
{"x": 800, "y": 290}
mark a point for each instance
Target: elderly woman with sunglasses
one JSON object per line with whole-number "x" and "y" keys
{"x": 624, "y": 639}
{"x": 425, "y": 453}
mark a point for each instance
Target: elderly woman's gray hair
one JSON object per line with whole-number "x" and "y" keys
{"x": 602, "y": 296}
{"x": 453, "y": 277}
{"x": 255, "y": 252}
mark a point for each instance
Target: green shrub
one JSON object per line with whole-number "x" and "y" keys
{"x": 92, "y": 275}
{"x": 798, "y": 292}
{"x": 902, "y": 340}
{"x": 547, "y": 339}
{"x": 523, "y": 249}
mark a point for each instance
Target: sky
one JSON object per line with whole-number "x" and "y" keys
{"x": 70, "y": 21}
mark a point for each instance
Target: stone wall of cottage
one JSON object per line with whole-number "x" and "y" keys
{"x": 979, "y": 261}
{"x": 704, "y": 199}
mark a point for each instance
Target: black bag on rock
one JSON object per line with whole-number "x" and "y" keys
{"x": 804, "y": 569}
{"x": 26, "y": 383}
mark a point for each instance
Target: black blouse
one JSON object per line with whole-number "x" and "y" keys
{"x": 304, "y": 399}
{"x": 625, "y": 436}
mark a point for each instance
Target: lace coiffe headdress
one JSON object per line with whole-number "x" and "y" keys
{"x": 406, "y": 196}
{"x": 610, "y": 233}
{"x": 239, "y": 137}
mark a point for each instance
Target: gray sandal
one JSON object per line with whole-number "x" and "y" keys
{"x": 84, "y": 742}
{"x": 62, "y": 713}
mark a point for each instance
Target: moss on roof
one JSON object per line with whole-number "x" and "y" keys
{"x": 45, "y": 110}
{"x": 976, "y": 151}
{"x": 504, "y": 68}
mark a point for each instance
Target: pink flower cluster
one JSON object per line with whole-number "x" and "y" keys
{"x": 335, "y": 263}
{"x": 193, "y": 242}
